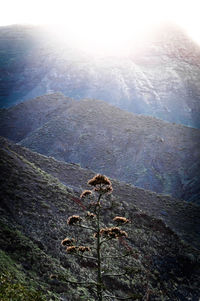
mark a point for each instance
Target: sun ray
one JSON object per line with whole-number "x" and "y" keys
{"x": 106, "y": 26}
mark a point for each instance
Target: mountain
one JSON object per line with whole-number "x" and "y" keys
{"x": 19, "y": 121}
{"x": 139, "y": 150}
{"x": 35, "y": 205}
{"x": 183, "y": 217}
{"x": 159, "y": 78}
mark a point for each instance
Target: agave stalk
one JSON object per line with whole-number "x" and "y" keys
{"x": 102, "y": 186}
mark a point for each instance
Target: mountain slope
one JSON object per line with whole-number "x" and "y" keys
{"x": 160, "y": 77}
{"x": 18, "y": 121}
{"x": 34, "y": 208}
{"x": 182, "y": 217}
{"x": 143, "y": 151}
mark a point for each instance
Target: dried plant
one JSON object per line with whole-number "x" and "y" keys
{"x": 120, "y": 220}
{"x": 92, "y": 222}
{"x": 67, "y": 241}
{"x": 74, "y": 219}
{"x": 85, "y": 193}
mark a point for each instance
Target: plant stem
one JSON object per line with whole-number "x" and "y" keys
{"x": 99, "y": 278}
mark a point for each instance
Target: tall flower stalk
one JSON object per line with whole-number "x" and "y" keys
{"x": 101, "y": 186}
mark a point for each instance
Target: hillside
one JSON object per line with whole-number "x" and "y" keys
{"x": 159, "y": 78}
{"x": 34, "y": 207}
{"x": 139, "y": 150}
{"x": 183, "y": 217}
{"x": 19, "y": 121}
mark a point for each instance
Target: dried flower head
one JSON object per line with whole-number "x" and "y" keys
{"x": 103, "y": 190}
{"x": 118, "y": 232}
{"x": 74, "y": 219}
{"x": 71, "y": 250}
{"x": 85, "y": 193}
{"x": 120, "y": 220}
{"x": 113, "y": 232}
{"x": 67, "y": 241}
{"x": 105, "y": 231}
{"x": 90, "y": 215}
{"x": 123, "y": 234}
{"x": 83, "y": 249}
{"x": 98, "y": 180}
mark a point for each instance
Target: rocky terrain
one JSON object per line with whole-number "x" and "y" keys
{"x": 139, "y": 150}
{"x": 159, "y": 78}
{"x": 35, "y": 205}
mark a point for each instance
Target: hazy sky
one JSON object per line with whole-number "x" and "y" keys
{"x": 104, "y": 22}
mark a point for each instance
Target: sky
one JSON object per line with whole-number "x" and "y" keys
{"x": 103, "y": 24}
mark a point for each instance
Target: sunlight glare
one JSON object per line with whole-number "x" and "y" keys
{"x": 103, "y": 26}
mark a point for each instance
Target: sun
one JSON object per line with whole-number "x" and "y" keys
{"x": 103, "y": 27}
{"x": 106, "y": 27}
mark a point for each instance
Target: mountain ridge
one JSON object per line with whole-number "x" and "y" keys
{"x": 160, "y": 78}
{"x": 144, "y": 151}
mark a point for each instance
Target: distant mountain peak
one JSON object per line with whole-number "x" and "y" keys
{"x": 160, "y": 78}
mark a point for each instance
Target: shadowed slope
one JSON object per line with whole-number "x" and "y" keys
{"x": 19, "y": 121}
{"x": 144, "y": 151}
{"x": 181, "y": 216}
{"x": 34, "y": 208}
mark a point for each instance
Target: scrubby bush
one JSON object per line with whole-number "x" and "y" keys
{"x": 12, "y": 290}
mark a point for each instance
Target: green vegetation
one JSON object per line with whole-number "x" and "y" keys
{"x": 10, "y": 290}
{"x": 13, "y": 281}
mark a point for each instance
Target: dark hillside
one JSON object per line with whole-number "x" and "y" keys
{"x": 34, "y": 207}
{"x": 181, "y": 216}
{"x": 20, "y": 120}
{"x": 143, "y": 151}
{"x": 140, "y": 150}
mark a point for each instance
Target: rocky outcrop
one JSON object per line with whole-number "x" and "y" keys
{"x": 160, "y": 78}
